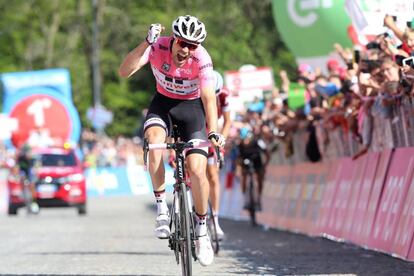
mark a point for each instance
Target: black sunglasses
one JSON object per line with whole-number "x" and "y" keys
{"x": 184, "y": 44}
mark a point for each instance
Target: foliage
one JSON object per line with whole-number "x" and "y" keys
{"x": 39, "y": 34}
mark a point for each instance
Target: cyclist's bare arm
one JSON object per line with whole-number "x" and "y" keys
{"x": 226, "y": 124}
{"x": 134, "y": 60}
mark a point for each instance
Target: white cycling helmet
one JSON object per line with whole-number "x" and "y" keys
{"x": 189, "y": 28}
{"x": 218, "y": 81}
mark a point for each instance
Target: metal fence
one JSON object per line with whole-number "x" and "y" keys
{"x": 395, "y": 131}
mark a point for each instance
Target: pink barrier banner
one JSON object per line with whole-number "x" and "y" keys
{"x": 328, "y": 197}
{"x": 293, "y": 198}
{"x": 375, "y": 195}
{"x": 372, "y": 160}
{"x": 341, "y": 200}
{"x": 358, "y": 170}
{"x": 411, "y": 253}
{"x": 274, "y": 188}
{"x": 392, "y": 199}
{"x": 405, "y": 228}
{"x": 285, "y": 179}
{"x": 311, "y": 197}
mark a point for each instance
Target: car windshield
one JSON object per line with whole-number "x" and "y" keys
{"x": 57, "y": 160}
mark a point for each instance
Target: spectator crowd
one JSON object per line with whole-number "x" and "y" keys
{"x": 363, "y": 102}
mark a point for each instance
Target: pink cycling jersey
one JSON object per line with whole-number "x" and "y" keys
{"x": 184, "y": 83}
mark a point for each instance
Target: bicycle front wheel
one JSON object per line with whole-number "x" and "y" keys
{"x": 212, "y": 229}
{"x": 252, "y": 209}
{"x": 185, "y": 233}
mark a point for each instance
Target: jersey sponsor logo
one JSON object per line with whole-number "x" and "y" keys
{"x": 162, "y": 47}
{"x": 195, "y": 59}
{"x": 206, "y": 66}
{"x": 187, "y": 71}
{"x": 166, "y": 67}
{"x": 173, "y": 85}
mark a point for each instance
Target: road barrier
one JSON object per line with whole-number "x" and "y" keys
{"x": 368, "y": 201}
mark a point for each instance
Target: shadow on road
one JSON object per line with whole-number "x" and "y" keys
{"x": 273, "y": 252}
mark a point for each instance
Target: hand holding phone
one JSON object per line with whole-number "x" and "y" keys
{"x": 408, "y": 62}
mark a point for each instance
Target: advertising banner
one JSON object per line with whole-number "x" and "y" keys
{"x": 249, "y": 81}
{"x": 358, "y": 170}
{"x": 405, "y": 229}
{"x": 367, "y": 16}
{"x": 41, "y": 104}
{"x": 317, "y": 196}
{"x": 310, "y": 28}
{"x": 375, "y": 196}
{"x": 364, "y": 195}
{"x": 296, "y": 96}
{"x": 411, "y": 253}
{"x": 273, "y": 191}
{"x": 392, "y": 199}
{"x": 329, "y": 195}
{"x": 278, "y": 207}
{"x": 293, "y": 194}
{"x": 311, "y": 196}
{"x": 57, "y": 79}
{"x": 339, "y": 206}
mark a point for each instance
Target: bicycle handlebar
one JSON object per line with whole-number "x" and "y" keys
{"x": 188, "y": 145}
{"x": 182, "y": 145}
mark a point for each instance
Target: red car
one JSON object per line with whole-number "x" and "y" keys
{"x": 59, "y": 181}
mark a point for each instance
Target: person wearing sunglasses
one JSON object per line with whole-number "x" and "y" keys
{"x": 185, "y": 97}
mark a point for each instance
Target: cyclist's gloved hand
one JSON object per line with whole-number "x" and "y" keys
{"x": 217, "y": 139}
{"x": 154, "y": 33}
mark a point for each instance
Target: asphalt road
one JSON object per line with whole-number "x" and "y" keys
{"x": 116, "y": 238}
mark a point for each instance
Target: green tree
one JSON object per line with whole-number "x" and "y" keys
{"x": 39, "y": 34}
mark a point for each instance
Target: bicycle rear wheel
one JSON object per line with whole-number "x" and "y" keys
{"x": 185, "y": 233}
{"x": 212, "y": 229}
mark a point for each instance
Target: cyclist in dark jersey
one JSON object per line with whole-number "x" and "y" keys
{"x": 25, "y": 163}
{"x": 253, "y": 149}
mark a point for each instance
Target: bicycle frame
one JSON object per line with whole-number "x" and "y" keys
{"x": 181, "y": 240}
{"x": 251, "y": 189}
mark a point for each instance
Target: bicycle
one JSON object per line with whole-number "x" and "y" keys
{"x": 182, "y": 238}
{"x": 212, "y": 230}
{"x": 28, "y": 190}
{"x": 251, "y": 208}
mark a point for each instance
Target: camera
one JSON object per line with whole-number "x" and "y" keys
{"x": 408, "y": 62}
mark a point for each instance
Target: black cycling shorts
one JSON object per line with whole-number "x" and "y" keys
{"x": 188, "y": 115}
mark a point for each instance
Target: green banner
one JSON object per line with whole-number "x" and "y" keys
{"x": 296, "y": 96}
{"x": 310, "y": 27}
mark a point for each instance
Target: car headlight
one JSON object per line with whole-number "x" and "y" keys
{"x": 77, "y": 177}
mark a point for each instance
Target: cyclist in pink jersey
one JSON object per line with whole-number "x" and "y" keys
{"x": 185, "y": 97}
{"x": 223, "y": 110}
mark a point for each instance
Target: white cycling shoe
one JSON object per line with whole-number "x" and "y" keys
{"x": 162, "y": 227}
{"x": 204, "y": 251}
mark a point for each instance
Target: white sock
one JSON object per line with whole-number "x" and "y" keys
{"x": 162, "y": 207}
{"x": 201, "y": 227}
